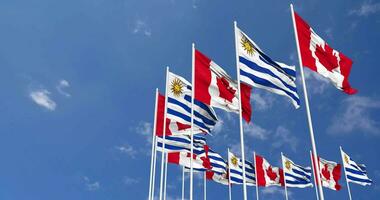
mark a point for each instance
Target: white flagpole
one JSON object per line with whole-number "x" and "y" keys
{"x": 315, "y": 176}
{"x": 154, "y": 167}
{"x": 204, "y": 186}
{"x": 163, "y": 136}
{"x": 240, "y": 113}
{"x": 307, "y": 104}
{"x": 229, "y": 175}
{"x": 166, "y": 175}
{"x": 283, "y": 167}
{"x": 183, "y": 183}
{"x": 192, "y": 119}
{"x": 152, "y": 160}
{"x": 345, "y": 173}
{"x": 257, "y": 184}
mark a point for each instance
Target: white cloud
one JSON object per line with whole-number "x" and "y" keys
{"x": 283, "y": 137}
{"x": 274, "y": 190}
{"x": 316, "y": 83}
{"x": 61, "y": 86}
{"x": 367, "y": 8}
{"x": 130, "y": 181}
{"x": 328, "y": 33}
{"x": 354, "y": 114}
{"x": 127, "y": 149}
{"x": 255, "y": 131}
{"x": 91, "y": 186}
{"x": 218, "y": 127}
{"x": 141, "y": 27}
{"x": 41, "y": 98}
{"x": 146, "y": 130}
{"x": 262, "y": 100}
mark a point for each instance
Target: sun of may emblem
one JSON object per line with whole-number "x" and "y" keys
{"x": 234, "y": 161}
{"x": 177, "y": 87}
{"x": 288, "y": 165}
{"x": 346, "y": 159}
{"x": 247, "y": 45}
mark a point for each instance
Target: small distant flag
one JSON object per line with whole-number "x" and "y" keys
{"x": 179, "y": 106}
{"x": 235, "y": 165}
{"x": 296, "y": 175}
{"x": 330, "y": 173}
{"x": 355, "y": 173}
{"x": 318, "y": 56}
{"x": 268, "y": 175}
{"x": 259, "y": 70}
{"x": 214, "y": 87}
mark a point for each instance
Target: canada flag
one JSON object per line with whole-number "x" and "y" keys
{"x": 268, "y": 175}
{"x": 318, "y": 56}
{"x": 330, "y": 173}
{"x": 172, "y": 127}
{"x": 214, "y": 87}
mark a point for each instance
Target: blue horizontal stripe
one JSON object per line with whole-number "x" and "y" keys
{"x": 297, "y": 177}
{"x": 297, "y": 182}
{"x": 359, "y": 179}
{"x": 301, "y": 173}
{"x": 264, "y": 70}
{"x": 349, "y": 170}
{"x": 202, "y": 106}
{"x": 267, "y": 83}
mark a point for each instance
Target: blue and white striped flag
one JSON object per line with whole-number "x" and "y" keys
{"x": 179, "y": 106}
{"x": 355, "y": 173}
{"x": 296, "y": 175}
{"x": 259, "y": 70}
{"x": 181, "y": 143}
{"x": 236, "y": 170}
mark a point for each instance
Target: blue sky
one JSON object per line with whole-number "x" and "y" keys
{"x": 78, "y": 80}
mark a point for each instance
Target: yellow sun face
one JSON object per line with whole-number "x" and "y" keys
{"x": 177, "y": 87}
{"x": 288, "y": 164}
{"x": 234, "y": 161}
{"x": 247, "y": 45}
{"x": 346, "y": 159}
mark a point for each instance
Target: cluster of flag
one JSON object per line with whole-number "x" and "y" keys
{"x": 187, "y": 110}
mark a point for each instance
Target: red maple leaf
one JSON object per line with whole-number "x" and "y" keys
{"x": 225, "y": 90}
{"x": 326, "y": 57}
{"x": 272, "y": 175}
{"x": 325, "y": 172}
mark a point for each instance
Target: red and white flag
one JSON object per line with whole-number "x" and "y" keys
{"x": 317, "y": 55}
{"x": 216, "y": 88}
{"x": 268, "y": 175}
{"x": 330, "y": 174}
{"x": 172, "y": 127}
{"x": 184, "y": 158}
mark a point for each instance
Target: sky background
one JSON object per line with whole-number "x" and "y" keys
{"x": 77, "y": 89}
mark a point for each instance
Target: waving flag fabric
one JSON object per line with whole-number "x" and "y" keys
{"x": 259, "y": 70}
{"x": 355, "y": 173}
{"x": 330, "y": 173}
{"x": 296, "y": 175}
{"x": 268, "y": 175}
{"x": 181, "y": 143}
{"x": 179, "y": 106}
{"x": 235, "y": 165}
{"x": 318, "y": 56}
{"x": 214, "y": 87}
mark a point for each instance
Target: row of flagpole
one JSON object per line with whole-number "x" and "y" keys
{"x": 163, "y": 175}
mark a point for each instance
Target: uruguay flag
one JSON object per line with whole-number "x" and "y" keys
{"x": 179, "y": 106}
{"x": 296, "y": 175}
{"x": 236, "y": 170}
{"x": 259, "y": 70}
{"x": 181, "y": 143}
{"x": 355, "y": 173}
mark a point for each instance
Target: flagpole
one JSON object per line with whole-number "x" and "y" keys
{"x": 183, "y": 182}
{"x": 240, "y": 113}
{"x": 166, "y": 175}
{"x": 229, "y": 175}
{"x": 345, "y": 174}
{"x": 307, "y": 104}
{"x": 257, "y": 184}
{"x": 154, "y": 167}
{"x": 192, "y": 118}
{"x": 315, "y": 177}
{"x": 204, "y": 187}
{"x": 283, "y": 167}
{"x": 153, "y": 148}
{"x": 163, "y": 135}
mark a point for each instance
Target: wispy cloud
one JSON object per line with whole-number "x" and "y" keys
{"x": 256, "y": 131}
{"x": 283, "y": 137}
{"x": 317, "y": 83}
{"x": 366, "y": 8}
{"x": 355, "y": 114}
{"x": 62, "y": 85}
{"x": 41, "y": 97}
{"x": 145, "y": 129}
{"x": 127, "y": 149}
{"x": 130, "y": 180}
{"x": 91, "y": 186}
{"x": 275, "y": 190}
{"x": 262, "y": 100}
{"x": 141, "y": 27}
